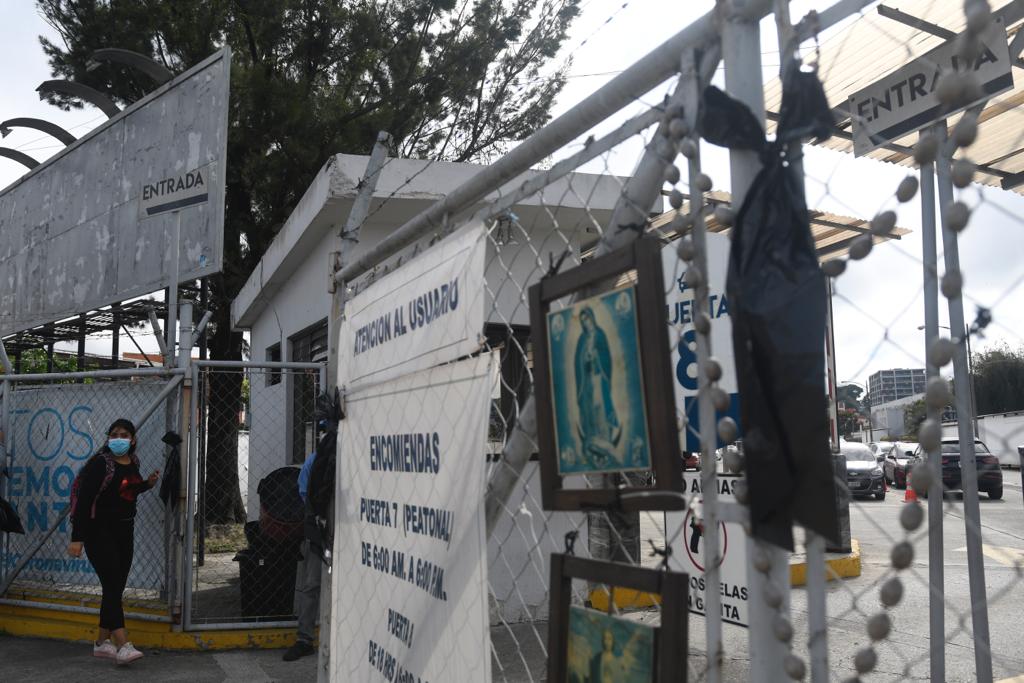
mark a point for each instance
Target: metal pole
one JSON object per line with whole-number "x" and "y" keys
{"x": 817, "y": 613}
{"x": 968, "y": 466}
{"x": 970, "y": 374}
{"x": 6, "y": 455}
{"x": 706, "y": 411}
{"x": 181, "y": 421}
{"x": 741, "y": 47}
{"x": 172, "y": 292}
{"x": 190, "y": 501}
{"x": 115, "y": 340}
{"x": 348, "y": 237}
{"x": 936, "y": 606}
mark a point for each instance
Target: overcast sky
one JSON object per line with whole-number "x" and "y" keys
{"x": 876, "y": 331}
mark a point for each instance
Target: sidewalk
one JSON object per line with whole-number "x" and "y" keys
{"x": 43, "y": 661}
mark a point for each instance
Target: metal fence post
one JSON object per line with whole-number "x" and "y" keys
{"x": 693, "y": 86}
{"x": 965, "y": 427}
{"x": 6, "y": 456}
{"x": 178, "y": 578}
{"x": 936, "y": 606}
{"x": 349, "y": 236}
{"x": 741, "y": 47}
{"x": 191, "y": 497}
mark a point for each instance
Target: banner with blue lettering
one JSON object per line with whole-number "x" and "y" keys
{"x": 429, "y": 311}
{"x": 54, "y": 430}
{"x": 409, "y": 568}
{"x": 683, "y": 337}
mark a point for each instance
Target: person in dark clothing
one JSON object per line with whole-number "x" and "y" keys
{"x": 103, "y": 524}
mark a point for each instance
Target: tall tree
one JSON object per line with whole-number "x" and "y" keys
{"x": 998, "y": 380}
{"x": 457, "y": 80}
{"x": 850, "y": 395}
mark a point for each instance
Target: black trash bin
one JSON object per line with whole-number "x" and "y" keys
{"x": 267, "y": 579}
{"x": 267, "y": 567}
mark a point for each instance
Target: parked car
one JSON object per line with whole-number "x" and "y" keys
{"x": 864, "y": 475}
{"x": 899, "y": 458}
{"x": 990, "y": 475}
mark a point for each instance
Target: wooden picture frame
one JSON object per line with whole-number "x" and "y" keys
{"x": 670, "y": 637}
{"x": 648, "y": 374}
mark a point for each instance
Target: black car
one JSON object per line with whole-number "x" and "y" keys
{"x": 864, "y": 475}
{"x": 990, "y": 476}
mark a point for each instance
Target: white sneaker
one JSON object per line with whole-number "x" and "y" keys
{"x": 106, "y": 650}
{"x": 128, "y": 654}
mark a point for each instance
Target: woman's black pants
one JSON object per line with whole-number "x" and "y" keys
{"x": 110, "y": 547}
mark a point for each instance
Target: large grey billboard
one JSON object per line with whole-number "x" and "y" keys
{"x": 95, "y": 224}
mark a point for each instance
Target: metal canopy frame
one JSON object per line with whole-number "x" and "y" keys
{"x": 1010, "y": 13}
{"x": 131, "y": 314}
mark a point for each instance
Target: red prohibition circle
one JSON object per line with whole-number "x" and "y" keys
{"x": 725, "y": 542}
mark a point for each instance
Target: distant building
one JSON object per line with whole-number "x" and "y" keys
{"x": 886, "y": 386}
{"x": 887, "y": 419}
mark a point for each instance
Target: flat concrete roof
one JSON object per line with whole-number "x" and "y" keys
{"x": 405, "y": 188}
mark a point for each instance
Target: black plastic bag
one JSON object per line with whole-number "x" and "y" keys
{"x": 777, "y": 300}
{"x": 172, "y": 470}
{"x": 9, "y": 520}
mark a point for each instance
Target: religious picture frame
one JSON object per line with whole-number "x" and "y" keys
{"x": 603, "y": 383}
{"x": 586, "y": 644}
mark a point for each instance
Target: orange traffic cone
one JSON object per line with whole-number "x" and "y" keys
{"x": 911, "y": 495}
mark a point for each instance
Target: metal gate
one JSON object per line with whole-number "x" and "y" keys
{"x": 249, "y": 419}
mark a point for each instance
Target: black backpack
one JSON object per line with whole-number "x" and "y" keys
{"x": 320, "y": 488}
{"x": 320, "y": 491}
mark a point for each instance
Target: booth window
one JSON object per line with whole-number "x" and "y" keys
{"x": 308, "y": 346}
{"x": 273, "y": 356}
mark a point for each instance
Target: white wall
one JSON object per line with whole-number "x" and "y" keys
{"x": 268, "y": 436}
{"x": 519, "y": 552}
{"x": 1003, "y": 434}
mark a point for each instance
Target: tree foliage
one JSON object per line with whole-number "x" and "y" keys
{"x": 850, "y": 394}
{"x": 999, "y": 380}
{"x": 457, "y": 80}
{"x": 913, "y": 415}
{"x": 849, "y": 421}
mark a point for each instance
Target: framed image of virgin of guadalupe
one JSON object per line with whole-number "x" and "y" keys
{"x": 603, "y": 381}
{"x": 592, "y": 646}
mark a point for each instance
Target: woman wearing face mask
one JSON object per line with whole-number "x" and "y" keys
{"x": 103, "y": 522}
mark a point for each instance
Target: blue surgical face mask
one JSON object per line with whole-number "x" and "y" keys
{"x": 119, "y": 446}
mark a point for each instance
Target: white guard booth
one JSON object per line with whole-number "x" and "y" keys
{"x": 285, "y": 304}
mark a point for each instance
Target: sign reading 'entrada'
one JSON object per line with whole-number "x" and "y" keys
{"x": 906, "y": 100}
{"x": 175, "y": 193}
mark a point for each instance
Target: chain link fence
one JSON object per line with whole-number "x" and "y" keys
{"x": 53, "y": 425}
{"x": 927, "y": 589}
{"x": 255, "y": 428}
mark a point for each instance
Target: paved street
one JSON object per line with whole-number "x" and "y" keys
{"x": 905, "y": 655}
{"x": 875, "y": 524}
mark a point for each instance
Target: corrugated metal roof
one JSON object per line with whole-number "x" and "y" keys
{"x": 832, "y": 232}
{"x": 874, "y": 46}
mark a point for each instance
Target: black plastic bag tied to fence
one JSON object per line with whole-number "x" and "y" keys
{"x": 777, "y": 295}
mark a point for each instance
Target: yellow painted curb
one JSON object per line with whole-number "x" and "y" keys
{"x": 624, "y": 598}
{"x": 40, "y": 622}
{"x": 841, "y": 567}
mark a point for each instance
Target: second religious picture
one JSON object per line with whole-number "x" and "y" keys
{"x": 597, "y": 385}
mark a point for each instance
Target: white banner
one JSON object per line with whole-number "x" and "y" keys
{"x": 54, "y": 431}
{"x": 427, "y": 312}
{"x": 683, "y": 337}
{"x": 688, "y": 553}
{"x": 409, "y": 577}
